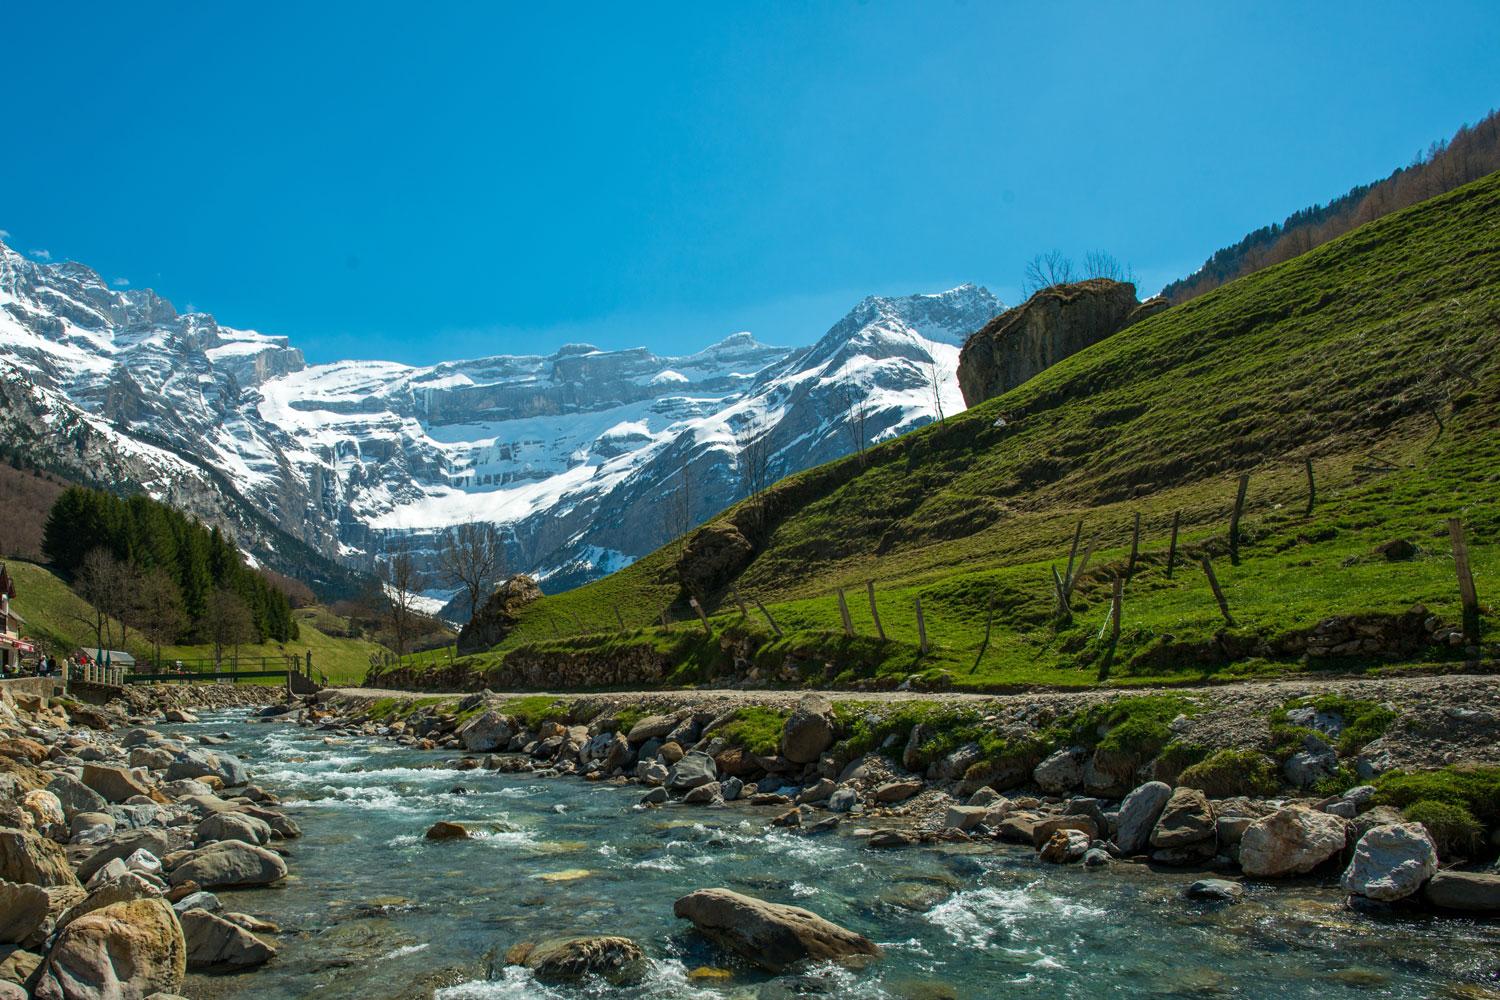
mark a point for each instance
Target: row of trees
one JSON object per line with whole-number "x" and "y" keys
{"x": 1472, "y": 153}
{"x": 142, "y": 564}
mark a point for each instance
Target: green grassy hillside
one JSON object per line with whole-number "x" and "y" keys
{"x": 61, "y": 620}
{"x": 1374, "y": 356}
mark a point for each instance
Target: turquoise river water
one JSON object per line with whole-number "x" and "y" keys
{"x": 373, "y": 911}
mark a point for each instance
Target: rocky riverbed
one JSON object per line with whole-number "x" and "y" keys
{"x": 656, "y": 846}
{"x": 117, "y": 837}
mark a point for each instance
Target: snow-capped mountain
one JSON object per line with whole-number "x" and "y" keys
{"x": 582, "y": 456}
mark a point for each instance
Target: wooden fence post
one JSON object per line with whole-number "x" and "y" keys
{"x": 744, "y": 612}
{"x": 1172, "y": 549}
{"x": 1073, "y": 552}
{"x": 1466, "y": 595}
{"x": 989, "y": 623}
{"x": 1312, "y": 487}
{"x": 1234, "y": 520}
{"x": 1135, "y": 546}
{"x": 666, "y": 627}
{"x": 620, "y": 618}
{"x": 1213, "y": 583}
{"x": 702, "y": 615}
{"x": 844, "y": 613}
{"x": 874, "y": 611}
{"x": 769, "y": 620}
{"x": 922, "y": 626}
{"x": 1114, "y": 629}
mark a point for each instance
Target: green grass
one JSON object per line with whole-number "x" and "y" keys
{"x": 1351, "y": 355}
{"x": 756, "y": 728}
{"x": 1452, "y": 828}
{"x": 1472, "y": 787}
{"x": 59, "y": 618}
{"x": 1233, "y": 772}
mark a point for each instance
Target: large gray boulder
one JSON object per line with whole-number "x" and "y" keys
{"x": 123, "y": 845}
{"x": 75, "y": 796}
{"x": 1138, "y": 815}
{"x": 228, "y": 864}
{"x": 121, "y": 952}
{"x": 808, "y": 731}
{"x": 486, "y": 733}
{"x": 1062, "y": 771}
{"x": 1470, "y": 892}
{"x": 694, "y": 769}
{"x": 770, "y": 935}
{"x": 197, "y": 763}
{"x": 1391, "y": 862}
{"x": 214, "y": 944}
{"x": 233, "y": 826}
{"x": 1291, "y": 841}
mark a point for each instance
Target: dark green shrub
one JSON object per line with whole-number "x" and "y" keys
{"x": 1453, "y": 829}
{"x": 1475, "y": 787}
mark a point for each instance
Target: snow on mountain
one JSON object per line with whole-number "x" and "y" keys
{"x": 577, "y": 454}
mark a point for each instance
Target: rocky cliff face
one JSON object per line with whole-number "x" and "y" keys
{"x": 1052, "y": 324}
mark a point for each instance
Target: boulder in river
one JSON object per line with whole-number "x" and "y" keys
{"x": 1187, "y": 818}
{"x": 773, "y": 936}
{"x": 216, "y": 944}
{"x": 233, "y": 826}
{"x": 486, "y": 732}
{"x": 116, "y": 784}
{"x": 125, "y": 950}
{"x": 228, "y": 864}
{"x": 1290, "y": 841}
{"x": 692, "y": 770}
{"x": 618, "y": 960}
{"x": 1471, "y": 892}
{"x": 897, "y": 791}
{"x": 1138, "y": 815}
{"x": 1391, "y": 862}
{"x": 445, "y": 830}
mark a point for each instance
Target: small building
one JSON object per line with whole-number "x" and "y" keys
{"x": 12, "y": 645}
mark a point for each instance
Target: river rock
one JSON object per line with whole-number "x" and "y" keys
{"x": 486, "y": 733}
{"x": 199, "y": 763}
{"x": 843, "y": 799}
{"x": 897, "y": 791}
{"x": 692, "y": 770}
{"x": 179, "y": 715}
{"x": 652, "y": 727}
{"x": 1187, "y": 818}
{"x": 1138, "y": 815}
{"x": 1064, "y": 846}
{"x": 28, "y": 858}
{"x": 657, "y": 796}
{"x": 808, "y": 730}
{"x": 216, "y": 944}
{"x": 1291, "y": 841}
{"x": 1471, "y": 892}
{"x": 652, "y": 772}
{"x": 121, "y": 952}
{"x": 618, "y": 960}
{"x": 233, "y": 826}
{"x": 818, "y": 791}
{"x": 1061, "y": 772}
{"x": 151, "y": 758}
{"x": 1215, "y": 890}
{"x": 116, "y": 784}
{"x": 23, "y": 911}
{"x": 1306, "y": 768}
{"x": 112, "y": 885}
{"x": 44, "y": 808}
{"x": 1391, "y": 862}
{"x": 1043, "y": 830}
{"x": 123, "y": 845}
{"x": 964, "y": 817}
{"x": 770, "y": 935}
{"x": 75, "y": 796}
{"x": 444, "y": 830}
{"x": 703, "y": 795}
{"x": 230, "y": 863}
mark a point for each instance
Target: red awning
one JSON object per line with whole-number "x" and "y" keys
{"x": 24, "y": 645}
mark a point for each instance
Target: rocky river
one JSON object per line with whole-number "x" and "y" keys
{"x": 373, "y": 909}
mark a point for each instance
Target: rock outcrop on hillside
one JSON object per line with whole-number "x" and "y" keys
{"x": 1049, "y": 326}
{"x": 494, "y": 620}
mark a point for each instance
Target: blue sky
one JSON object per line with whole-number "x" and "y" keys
{"x": 422, "y": 182}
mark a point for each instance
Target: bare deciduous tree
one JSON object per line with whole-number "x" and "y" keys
{"x": 228, "y": 623}
{"x": 937, "y": 378}
{"x": 159, "y": 611}
{"x": 680, "y": 508}
{"x": 755, "y": 461}
{"x": 1100, "y": 264}
{"x": 95, "y": 582}
{"x": 856, "y": 407}
{"x": 403, "y": 582}
{"x": 473, "y": 554}
{"x": 1045, "y": 270}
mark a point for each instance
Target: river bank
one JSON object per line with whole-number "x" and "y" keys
{"x": 116, "y": 838}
